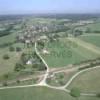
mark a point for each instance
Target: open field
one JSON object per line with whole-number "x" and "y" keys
{"x": 38, "y": 93}
{"x": 67, "y": 52}
{"x": 7, "y": 66}
{"x": 7, "y": 39}
{"x": 94, "y": 27}
{"x": 91, "y": 39}
{"x": 91, "y": 27}
{"x": 88, "y": 81}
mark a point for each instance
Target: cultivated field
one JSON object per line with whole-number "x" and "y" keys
{"x": 94, "y": 39}
{"x": 88, "y": 81}
{"x": 38, "y": 93}
{"x": 91, "y": 27}
{"x": 67, "y": 52}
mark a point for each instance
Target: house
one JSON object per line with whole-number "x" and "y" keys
{"x": 45, "y": 51}
{"x": 45, "y": 38}
{"x": 31, "y": 61}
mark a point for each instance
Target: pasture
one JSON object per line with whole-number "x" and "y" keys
{"x": 65, "y": 52}
{"x": 88, "y": 81}
{"x": 38, "y": 93}
{"x": 93, "y": 39}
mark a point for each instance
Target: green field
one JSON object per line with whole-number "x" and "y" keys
{"x": 92, "y": 39}
{"x": 88, "y": 81}
{"x": 68, "y": 53}
{"x": 7, "y": 66}
{"x": 38, "y": 93}
{"x": 94, "y": 27}
{"x": 91, "y": 27}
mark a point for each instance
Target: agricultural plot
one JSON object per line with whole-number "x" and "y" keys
{"x": 93, "y": 39}
{"x": 38, "y": 93}
{"x": 7, "y": 65}
{"x": 95, "y": 27}
{"x": 87, "y": 82}
{"x": 67, "y": 52}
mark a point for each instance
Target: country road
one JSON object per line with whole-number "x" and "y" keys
{"x": 45, "y": 76}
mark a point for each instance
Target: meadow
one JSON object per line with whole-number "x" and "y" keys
{"x": 88, "y": 81}
{"x": 65, "y": 52}
{"x": 38, "y": 93}
{"x": 94, "y": 39}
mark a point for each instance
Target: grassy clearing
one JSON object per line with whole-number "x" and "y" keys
{"x": 8, "y": 65}
{"x": 95, "y": 26}
{"x": 66, "y": 52}
{"x": 38, "y": 93}
{"x": 91, "y": 27}
{"x": 88, "y": 81}
{"x": 91, "y": 39}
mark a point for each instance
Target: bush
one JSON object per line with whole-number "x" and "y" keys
{"x": 24, "y": 58}
{"x": 6, "y": 57}
{"x": 6, "y": 76}
{"x": 98, "y": 95}
{"x": 5, "y": 84}
{"x": 75, "y": 92}
{"x": 19, "y": 67}
{"x": 18, "y": 49}
{"x": 11, "y": 49}
{"x": 17, "y": 81}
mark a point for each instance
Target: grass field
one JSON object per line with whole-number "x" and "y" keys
{"x": 66, "y": 52}
{"x": 91, "y": 39}
{"x": 94, "y": 27}
{"x": 6, "y": 39}
{"x": 88, "y": 81}
{"x": 38, "y": 93}
{"x": 7, "y": 66}
{"x": 91, "y": 27}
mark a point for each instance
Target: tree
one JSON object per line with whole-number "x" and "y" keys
{"x": 61, "y": 76}
{"x": 98, "y": 95}
{"x": 75, "y": 92}
{"x": 6, "y": 57}
{"x": 11, "y": 49}
{"x": 41, "y": 44}
{"x": 17, "y": 81}
{"x": 19, "y": 67}
{"x": 18, "y": 49}
{"x": 24, "y": 58}
{"x": 5, "y": 84}
{"x": 6, "y": 76}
